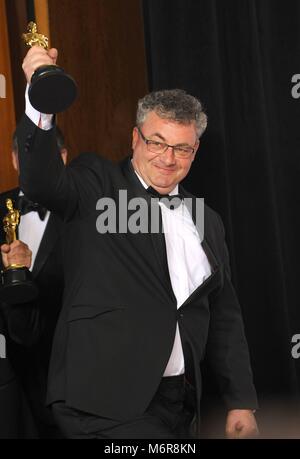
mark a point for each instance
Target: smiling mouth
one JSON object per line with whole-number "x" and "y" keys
{"x": 165, "y": 169}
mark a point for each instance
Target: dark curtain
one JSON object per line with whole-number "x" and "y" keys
{"x": 239, "y": 57}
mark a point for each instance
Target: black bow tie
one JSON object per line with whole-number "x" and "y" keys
{"x": 169, "y": 200}
{"x": 25, "y": 206}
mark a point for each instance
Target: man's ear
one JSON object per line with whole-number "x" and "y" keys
{"x": 15, "y": 160}
{"x": 196, "y": 147}
{"x": 135, "y": 137}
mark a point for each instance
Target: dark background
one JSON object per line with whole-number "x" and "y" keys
{"x": 239, "y": 57}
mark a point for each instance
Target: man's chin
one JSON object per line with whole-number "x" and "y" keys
{"x": 164, "y": 182}
{"x": 164, "y": 188}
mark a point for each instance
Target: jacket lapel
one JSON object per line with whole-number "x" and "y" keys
{"x": 158, "y": 239}
{"x": 159, "y": 244}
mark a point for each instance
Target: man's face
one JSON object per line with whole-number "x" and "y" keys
{"x": 163, "y": 171}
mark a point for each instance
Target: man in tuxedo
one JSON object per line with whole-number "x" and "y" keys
{"x": 16, "y": 419}
{"x": 30, "y": 327}
{"x": 141, "y": 308}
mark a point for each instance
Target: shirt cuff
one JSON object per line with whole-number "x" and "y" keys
{"x": 35, "y": 116}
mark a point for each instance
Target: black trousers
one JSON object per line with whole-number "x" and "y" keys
{"x": 170, "y": 415}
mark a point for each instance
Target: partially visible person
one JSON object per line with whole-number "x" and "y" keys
{"x": 16, "y": 421}
{"x": 30, "y": 339}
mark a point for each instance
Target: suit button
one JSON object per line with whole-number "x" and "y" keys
{"x": 180, "y": 315}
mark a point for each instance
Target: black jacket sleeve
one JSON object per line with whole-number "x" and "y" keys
{"x": 227, "y": 350}
{"x": 45, "y": 179}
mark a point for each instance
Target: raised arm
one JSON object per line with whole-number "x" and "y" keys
{"x": 43, "y": 176}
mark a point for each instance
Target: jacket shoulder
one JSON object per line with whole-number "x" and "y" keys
{"x": 93, "y": 162}
{"x": 213, "y": 218}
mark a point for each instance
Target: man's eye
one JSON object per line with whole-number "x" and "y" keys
{"x": 156, "y": 144}
{"x": 184, "y": 149}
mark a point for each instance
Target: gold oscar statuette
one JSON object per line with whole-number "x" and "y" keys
{"x": 16, "y": 284}
{"x": 10, "y": 222}
{"x": 51, "y": 90}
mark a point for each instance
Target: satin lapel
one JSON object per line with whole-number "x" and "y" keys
{"x": 48, "y": 241}
{"x": 159, "y": 244}
{"x": 158, "y": 239}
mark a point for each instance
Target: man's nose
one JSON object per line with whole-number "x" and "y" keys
{"x": 168, "y": 157}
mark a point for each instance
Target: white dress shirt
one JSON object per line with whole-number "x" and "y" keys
{"x": 188, "y": 265}
{"x": 35, "y": 116}
{"x": 31, "y": 230}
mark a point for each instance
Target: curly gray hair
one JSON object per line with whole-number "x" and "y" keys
{"x": 173, "y": 104}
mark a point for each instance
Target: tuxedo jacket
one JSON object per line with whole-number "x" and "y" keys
{"x": 117, "y": 326}
{"x": 30, "y": 326}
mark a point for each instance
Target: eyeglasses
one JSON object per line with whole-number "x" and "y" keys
{"x": 161, "y": 147}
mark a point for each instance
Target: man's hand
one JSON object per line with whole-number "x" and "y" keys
{"x": 16, "y": 253}
{"x": 36, "y": 57}
{"x": 241, "y": 424}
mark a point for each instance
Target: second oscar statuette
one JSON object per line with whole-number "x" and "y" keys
{"x": 16, "y": 283}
